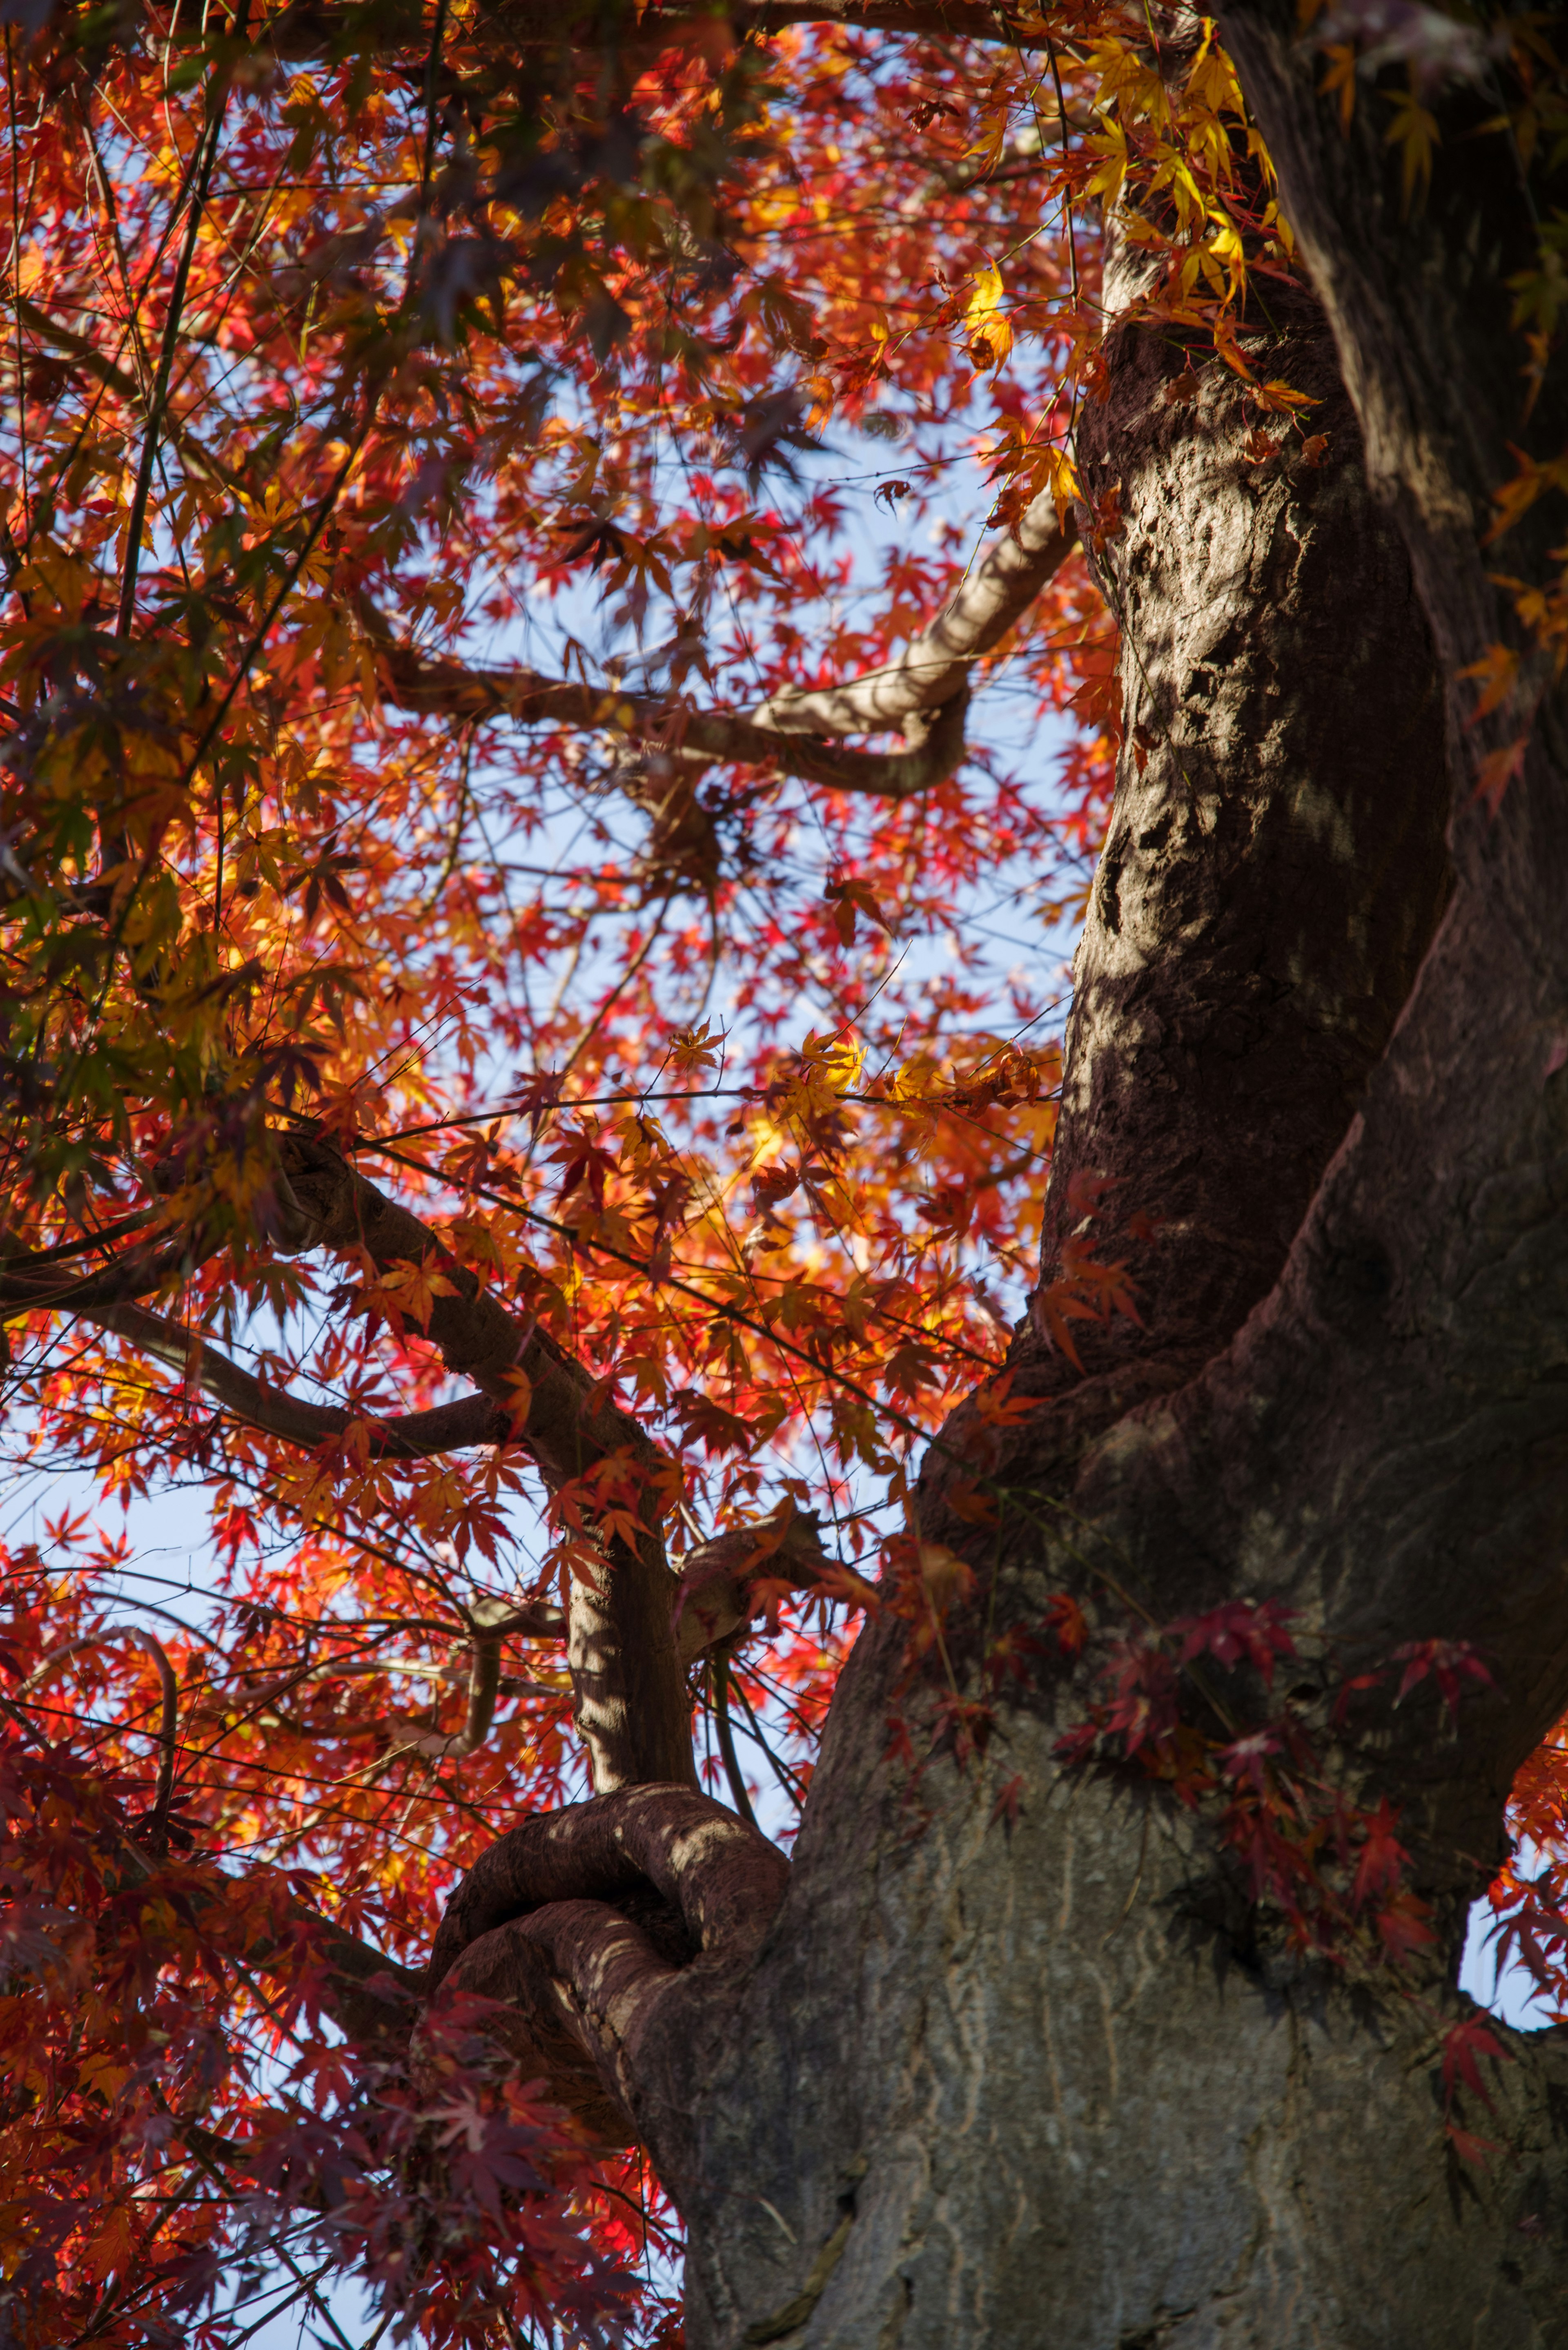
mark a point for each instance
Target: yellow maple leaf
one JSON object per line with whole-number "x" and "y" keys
{"x": 411, "y": 1290}
{"x": 987, "y": 325}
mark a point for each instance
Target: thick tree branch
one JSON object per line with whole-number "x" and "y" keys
{"x": 923, "y": 694}
{"x": 632, "y": 1704}
{"x": 937, "y": 664}
{"x": 718, "y": 1583}
{"x": 588, "y": 1920}
{"x": 712, "y": 1596}
{"x": 309, "y": 30}
{"x": 43, "y": 1287}
{"x": 1385, "y": 1444}
{"x": 415, "y": 1435}
{"x": 428, "y": 686}
{"x": 372, "y": 1997}
{"x": 1274, "y": 866}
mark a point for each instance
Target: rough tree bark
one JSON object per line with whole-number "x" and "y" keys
{"x": 1055, "y": 2083}
{"x": 948, "y": 2081}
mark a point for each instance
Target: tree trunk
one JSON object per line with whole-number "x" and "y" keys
{"x": 1055, "y": 2078}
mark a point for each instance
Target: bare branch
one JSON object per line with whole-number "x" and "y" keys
{"x": 484, "y": 1686}
{"x": 415, "y": 1435}
{"x": 430, "y": 686}
{"x": 936, "y": 665}
{"x": 631, "y": 1633}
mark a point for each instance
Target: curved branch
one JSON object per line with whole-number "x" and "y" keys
{"x": 431, "y": 686}
{"x": 415, "y": 1435}
{"x": 935, "y": 666}
{"x": 719, "y": 1581}
{"x": 585, "y": 1921}
{"x": 108, "y": 1636}
{"x": 924, "y": 694}
{"x": 724, "y": 1880}
{"x": 715, "y": 1594}
{"x": 632, "y": 1709}
{"x": 167, "y": 1737}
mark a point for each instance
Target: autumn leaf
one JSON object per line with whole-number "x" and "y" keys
{"x": 989, "y": 330}
{"x": 946, "y": 1579}
{"x": 847, "y": 898}
{"x": 1065, "y": 1623}
{"x": 1464, "y": 2044}
{"x": 406, "y": 1290}
{"x": 1382, "y": 1859}
{"x": 999, "y": 1408}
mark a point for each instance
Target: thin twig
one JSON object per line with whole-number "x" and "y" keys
{"x": 166, "y": 366}
{"x": 720, "y": 1679}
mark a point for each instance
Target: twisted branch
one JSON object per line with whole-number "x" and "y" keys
{"x": 585, "y": 1922}
{"x": 923, "y": 694}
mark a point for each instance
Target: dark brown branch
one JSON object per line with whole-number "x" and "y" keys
{"x": 42, "y": 1289}
{"x": 714, "y": 1595}
{"x": 632, "y": 1704}
{"x": 309, "y": 30}
{"x": 415, "y": 1435}
{"x": 369, "y": 1995}
{"x": 167, "y": 1737}
{"x": 586, "y": 1921}
{"x": 111, "y": 1636}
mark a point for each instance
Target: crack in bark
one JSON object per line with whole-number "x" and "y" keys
{"x": 792, "y": 2316}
